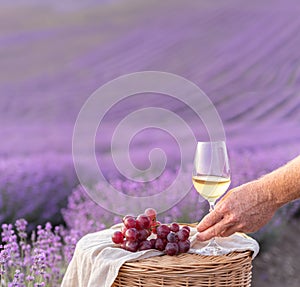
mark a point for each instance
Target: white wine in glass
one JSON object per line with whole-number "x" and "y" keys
{"x": 211, "y": 179}
{"x": 211, "y": 187}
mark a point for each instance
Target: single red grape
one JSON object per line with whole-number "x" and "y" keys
{"x": 125, "y": 217}
{"x": 131, "y": 234}
{"x": 138, "y": 225}
{"x": 130, "y": 222}
{"x": 159, "y": 244}
{"x": 118, "y": 237}
{"x": 143, "y": 222}
{"x": 163, "y": 231}
{"x": 183, "y": 234}
{"x": 151, "y": 213}
{"x": 152, "y": 241}
{"x": 172, "y": 237}
{"x": 172, "y": 249}
{"x": 187, "y": 228}
{"x": 145, "y": 245}
{"x": 143, "y": 234}
{"x": 184, "y": 246}
{"x": 132, "y": 246}
{"x": 174, "y": 227}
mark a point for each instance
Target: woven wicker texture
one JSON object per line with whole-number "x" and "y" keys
{"x": 187, "y": 270}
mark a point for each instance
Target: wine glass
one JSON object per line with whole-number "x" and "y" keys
{"x": 211, "y": 179}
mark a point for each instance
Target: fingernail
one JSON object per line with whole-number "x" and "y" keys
{"x": 199, "y": 228}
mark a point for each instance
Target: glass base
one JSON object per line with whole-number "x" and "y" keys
{"x": 212, "y": 249}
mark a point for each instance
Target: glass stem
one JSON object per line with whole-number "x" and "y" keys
{"x": 211, "y": 208}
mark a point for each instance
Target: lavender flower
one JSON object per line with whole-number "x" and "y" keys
{"x": 38, "y": 262}
{"x": 18, "y": 280}
{"x": 21, "y": 225}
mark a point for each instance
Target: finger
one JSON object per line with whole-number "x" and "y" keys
{"x": 229, "y": 231}
{"x": 209, "y": 220}
{"x": 212, "y": 231}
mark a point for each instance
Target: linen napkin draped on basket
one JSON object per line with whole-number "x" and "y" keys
{"x": 96, "y": 262}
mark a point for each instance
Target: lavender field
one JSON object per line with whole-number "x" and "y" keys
{"x": 54, "y": 55}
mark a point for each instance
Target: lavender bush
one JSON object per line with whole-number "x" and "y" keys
{"x": 37, "y": 261}
{"x": 35, "y": 187}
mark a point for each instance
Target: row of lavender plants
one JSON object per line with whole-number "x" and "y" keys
{"x": 39, "y": 256}
{"x": 84, "y": 215}
{"x": 33, "y": 251}
{"x": 35, "y": 187}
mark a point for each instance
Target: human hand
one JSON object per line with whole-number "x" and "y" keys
{"x": 245, "y": 208}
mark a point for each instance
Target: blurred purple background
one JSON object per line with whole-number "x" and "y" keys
{"x": 53, "y": 55}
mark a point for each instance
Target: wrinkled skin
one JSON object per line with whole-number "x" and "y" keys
{"x": 250, "y": 206}
{"x": 243, "y": 209}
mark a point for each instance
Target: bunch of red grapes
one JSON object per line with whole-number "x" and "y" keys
{"x": 135, "y": 233}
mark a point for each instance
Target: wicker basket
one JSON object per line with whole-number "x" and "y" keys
{"x": 187, "y": 270}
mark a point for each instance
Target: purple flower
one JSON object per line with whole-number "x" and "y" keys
{"x": 18, "y": 280}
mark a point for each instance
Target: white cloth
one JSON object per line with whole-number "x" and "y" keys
{"x": 96, "y": 262}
